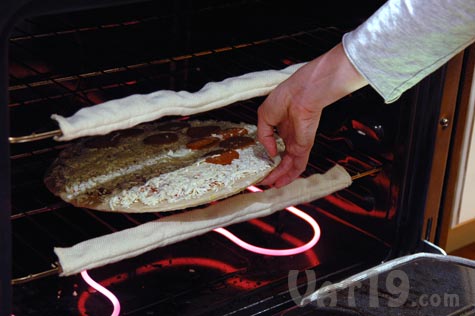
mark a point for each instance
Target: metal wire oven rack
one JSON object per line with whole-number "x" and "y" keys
{"x": 300, "y": 38}
{"x": 56, "y": 267}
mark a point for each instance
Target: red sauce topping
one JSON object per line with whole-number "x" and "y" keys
{"x": 232, "y": 132}
{"x": 224, "y": 158}
{"x": 202, "y": 143}
{"x": 214, "y": 152}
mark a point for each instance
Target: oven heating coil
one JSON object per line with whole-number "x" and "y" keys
{"x": 241, "y": 243}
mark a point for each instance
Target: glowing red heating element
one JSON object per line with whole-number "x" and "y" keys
{"x": 277, "y": 252}
{"x": 237, "y": 241}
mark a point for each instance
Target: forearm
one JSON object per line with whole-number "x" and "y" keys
{"x": 405, "y": 40}
{"x": 325, "y": 80}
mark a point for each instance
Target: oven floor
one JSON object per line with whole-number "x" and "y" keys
{"x": 207, "y": 275}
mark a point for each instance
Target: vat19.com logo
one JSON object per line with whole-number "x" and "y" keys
{"x": 391, "y": 290}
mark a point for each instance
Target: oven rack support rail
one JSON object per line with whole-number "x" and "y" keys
{"x": 35, "y": 137}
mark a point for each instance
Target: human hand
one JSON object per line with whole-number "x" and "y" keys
{"x": 295, "y": 106}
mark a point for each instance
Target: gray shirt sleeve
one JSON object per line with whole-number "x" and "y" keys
{"x": 406, "y": 40}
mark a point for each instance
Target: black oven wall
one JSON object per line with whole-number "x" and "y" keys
{"x": 12, "y": 12}
{"x": 5, "y": 224}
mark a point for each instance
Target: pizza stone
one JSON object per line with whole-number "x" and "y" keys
{"x": 160, "y": 166}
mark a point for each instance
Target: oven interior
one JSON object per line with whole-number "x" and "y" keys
{"x": 59, "y": 63}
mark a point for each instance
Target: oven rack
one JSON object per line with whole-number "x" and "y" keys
{"x": 56, "y": 267}
{"x": 51, "y": 26}
{"x": 43, "y": 204}
{"x": 29, "y": 168}
{"x": 59, "y": 87}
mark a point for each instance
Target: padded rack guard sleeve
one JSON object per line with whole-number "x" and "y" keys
{"x": 134, "y": 241}
{"x": 135, "y": 109}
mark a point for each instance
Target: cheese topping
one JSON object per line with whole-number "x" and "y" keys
{"x": 81, "y": 187}
{"x": 191, "y": 182}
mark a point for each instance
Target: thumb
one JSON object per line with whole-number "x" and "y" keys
{"x": 265, "y": 133}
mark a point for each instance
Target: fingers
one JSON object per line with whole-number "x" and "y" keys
{"x": 290, "y": 168}
{"x": 294, "y": 108}
{"x": 292, "y": 128}
{"x": 265, "y": 133}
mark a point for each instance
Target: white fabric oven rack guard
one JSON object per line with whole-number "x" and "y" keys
{"x": 135, "y": 109}
{"x": 134, "y": 241}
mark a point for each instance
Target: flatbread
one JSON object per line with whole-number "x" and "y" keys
{"x": 158, "y": 167}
